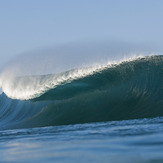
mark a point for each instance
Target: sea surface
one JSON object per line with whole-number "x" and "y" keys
{"x": 127, "y": 141}
{"x": 110, "y": 113}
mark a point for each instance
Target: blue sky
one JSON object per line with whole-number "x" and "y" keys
{"x": 30, "y": 24}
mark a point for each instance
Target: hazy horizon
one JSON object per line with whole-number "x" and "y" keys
{"x": 33, "y": 25}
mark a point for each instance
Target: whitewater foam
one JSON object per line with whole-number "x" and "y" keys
{"x": 29, "y": 87}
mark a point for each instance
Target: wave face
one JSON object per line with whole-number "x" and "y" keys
{"x": 128, "y": 90}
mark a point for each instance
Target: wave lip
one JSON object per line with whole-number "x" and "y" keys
{"x": 30, "y": 87}
{"x": 128, "y": 90}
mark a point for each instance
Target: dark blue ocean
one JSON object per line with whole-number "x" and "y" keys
{"x": 137, "y": 141}
{"x": 110, "y": 114}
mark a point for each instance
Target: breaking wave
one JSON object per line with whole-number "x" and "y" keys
{"x": 118, "y": 91}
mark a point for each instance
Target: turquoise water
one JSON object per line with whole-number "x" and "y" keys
{"x": 125, "y": 141}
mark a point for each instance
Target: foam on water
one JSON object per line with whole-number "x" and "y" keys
{"x": 29, "y": 87}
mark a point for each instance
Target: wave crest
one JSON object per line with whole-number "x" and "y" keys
{"x": 128, "y": 90}
{"x": 29, "y": 87}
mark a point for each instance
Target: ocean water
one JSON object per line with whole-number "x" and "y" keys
{"x": 139, "y": 140}
{"x": 109, "y": 113}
